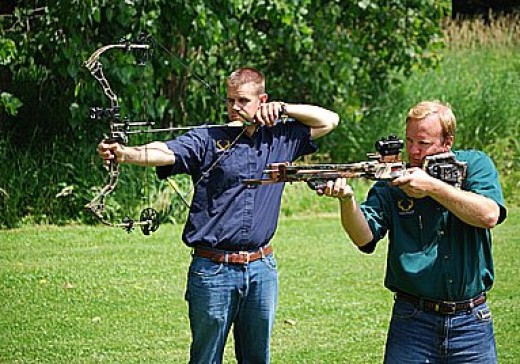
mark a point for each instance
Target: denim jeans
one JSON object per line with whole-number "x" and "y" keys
{"x": 222, "y": 295}
{"x": 416, "y": 336}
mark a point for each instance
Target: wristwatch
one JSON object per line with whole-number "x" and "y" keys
{"x": 283, "y": 109}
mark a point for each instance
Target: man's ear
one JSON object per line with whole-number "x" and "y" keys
{"x": 263, "y": 98}
{"x": 448, "y": 142}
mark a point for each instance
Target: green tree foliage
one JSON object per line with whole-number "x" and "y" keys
{"x": 336, "y": 53}
{"x": 339, "y": 54}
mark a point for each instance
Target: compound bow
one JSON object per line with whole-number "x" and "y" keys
{"x": 119, "y": 132}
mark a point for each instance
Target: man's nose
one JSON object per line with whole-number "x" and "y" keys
{"x": 236, "y": 106}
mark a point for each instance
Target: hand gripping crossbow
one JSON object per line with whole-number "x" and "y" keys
{"x": 385, "y": 164}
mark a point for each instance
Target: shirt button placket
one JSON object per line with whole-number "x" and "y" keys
{"x": 249, "y": 167}
{"x": 441, "y": 235}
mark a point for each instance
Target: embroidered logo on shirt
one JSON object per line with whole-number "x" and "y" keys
{"x": 405, "y": 207}
{"x": 223, "y": 145}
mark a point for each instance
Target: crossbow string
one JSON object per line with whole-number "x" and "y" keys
{"x": 121, "y": 129}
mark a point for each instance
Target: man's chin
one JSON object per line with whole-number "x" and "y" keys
{"x": 236, "y": 122}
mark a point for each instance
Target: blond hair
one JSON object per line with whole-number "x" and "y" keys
{"x": 443, "y": 111}
{"x": 246, "y": 75}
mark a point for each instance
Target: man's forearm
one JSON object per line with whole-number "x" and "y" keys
{"x": 148, "y": 155}
{"x": 354, "y": 222}
{"x": 321, "y": 121}
{"x": 472, "y": 208}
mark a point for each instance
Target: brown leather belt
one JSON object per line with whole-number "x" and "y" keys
{"x": 442, "y": 307}
{"x": 240, "y": 257}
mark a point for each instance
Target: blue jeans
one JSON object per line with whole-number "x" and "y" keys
{"x": 222, "y": 295}
{"x": 416, "y": 336}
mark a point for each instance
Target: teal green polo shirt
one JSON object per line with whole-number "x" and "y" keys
{"x": 431, "y": 253}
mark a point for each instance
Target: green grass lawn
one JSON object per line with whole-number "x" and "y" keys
{"x": 95, "y": 294}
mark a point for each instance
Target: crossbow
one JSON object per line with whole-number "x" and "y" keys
{"x": 120, "y": 129}
{"x": 385, "y": 164}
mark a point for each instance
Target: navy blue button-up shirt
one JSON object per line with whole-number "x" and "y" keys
{"x": 225, "y": 214}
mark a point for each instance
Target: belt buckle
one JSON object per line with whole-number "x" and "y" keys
{"x": 449, "y": 308}
{"x": 247, "y": 255}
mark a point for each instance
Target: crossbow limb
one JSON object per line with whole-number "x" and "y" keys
{"x": 386, "y": 164}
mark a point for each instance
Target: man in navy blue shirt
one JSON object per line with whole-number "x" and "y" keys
{"x": 232, "y": 278}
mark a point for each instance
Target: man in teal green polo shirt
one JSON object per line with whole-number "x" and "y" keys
{"x": 440, "y": 262}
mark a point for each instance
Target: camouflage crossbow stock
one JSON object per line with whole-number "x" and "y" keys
{"x": 385, "y": 164}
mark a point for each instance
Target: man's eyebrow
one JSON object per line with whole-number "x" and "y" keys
{"x": 419, "y": 140}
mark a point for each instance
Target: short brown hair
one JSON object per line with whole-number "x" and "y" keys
{"x": 247, "y": 75}
{"x": 443, "y": 111}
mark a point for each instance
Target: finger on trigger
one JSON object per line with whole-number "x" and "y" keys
{"x": 329, "y": 187}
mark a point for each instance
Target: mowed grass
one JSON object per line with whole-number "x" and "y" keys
{"x": 99, "y": 295}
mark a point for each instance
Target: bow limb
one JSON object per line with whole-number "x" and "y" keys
{"x": 97, "y": 204}
{"x": 148, "y": 221}
{"x": 96, "y": 68}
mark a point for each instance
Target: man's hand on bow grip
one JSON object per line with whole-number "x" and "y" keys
{"x": 111, "y": 151}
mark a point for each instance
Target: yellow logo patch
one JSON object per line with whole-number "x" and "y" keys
{"x": 223, "y": 144}
{"x": 405, "y": 205}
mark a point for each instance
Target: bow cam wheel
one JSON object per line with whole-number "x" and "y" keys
{"x": 149, "y": 220}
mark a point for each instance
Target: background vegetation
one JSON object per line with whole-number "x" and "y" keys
{"x": 367, "y": 61}
{"x": 341, "y": 56}
{"x": 84, "y": 294}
